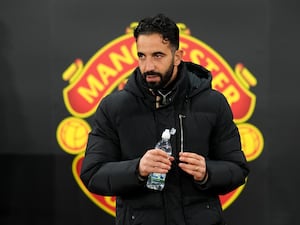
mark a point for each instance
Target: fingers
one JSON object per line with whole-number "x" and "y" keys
{"x": 193, "y": 164}
{"x": 155, "y": 161}
{"x": 190, "y": 157}
{"x": 158, "y": 161}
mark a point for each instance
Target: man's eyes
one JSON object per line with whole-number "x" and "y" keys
{"x": 141, "y": 55}
{"x": 158, "y": 55}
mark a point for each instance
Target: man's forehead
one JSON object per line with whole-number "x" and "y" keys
{"x": 152, "y": 41}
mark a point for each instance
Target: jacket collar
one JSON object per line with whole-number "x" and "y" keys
{"x": 191, "y": 80}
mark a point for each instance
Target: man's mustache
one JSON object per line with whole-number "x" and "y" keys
{"x": 151, "y": 73}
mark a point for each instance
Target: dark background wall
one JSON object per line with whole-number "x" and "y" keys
{"x": 39, "y": 39}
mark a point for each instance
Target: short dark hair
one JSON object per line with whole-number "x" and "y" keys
{"x": 159, "y": 24}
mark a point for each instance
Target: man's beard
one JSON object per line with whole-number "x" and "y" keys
{"x": 163, "y": 79}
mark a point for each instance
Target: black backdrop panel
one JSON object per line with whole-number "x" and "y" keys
{"x": 40, "y": 39}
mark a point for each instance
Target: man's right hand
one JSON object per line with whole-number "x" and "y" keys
{"x": 155, "y": 161}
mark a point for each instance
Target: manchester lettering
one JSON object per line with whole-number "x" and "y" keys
{"x": 103, "y": 72}
{"x": 223, "y": 83}
{"x": 92, "y": 92}
{"x": 126, "y": 58}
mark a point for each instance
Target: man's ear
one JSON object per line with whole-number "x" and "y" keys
{"x": 178, "y": 57}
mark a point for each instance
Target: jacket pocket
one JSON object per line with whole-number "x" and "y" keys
{"x": 206, "y": 213}
{"x": 129, "y": 216}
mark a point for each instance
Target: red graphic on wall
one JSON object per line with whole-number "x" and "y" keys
{"x": 108, "y": 69}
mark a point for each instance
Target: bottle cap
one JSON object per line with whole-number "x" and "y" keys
{"x": 166, "y": 134}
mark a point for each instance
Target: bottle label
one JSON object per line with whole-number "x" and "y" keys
{"x": 156, "y": 181}
{"x": 158, "y": 177}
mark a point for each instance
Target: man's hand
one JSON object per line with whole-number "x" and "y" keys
{"x": 155, "y": 161}
{"x": 193, "y": 164}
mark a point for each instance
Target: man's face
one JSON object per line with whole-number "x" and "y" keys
{"x": 157, "y": 62}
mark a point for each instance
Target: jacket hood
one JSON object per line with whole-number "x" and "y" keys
{"x": 199, "y": 78}
{"x": 195, "y": 76}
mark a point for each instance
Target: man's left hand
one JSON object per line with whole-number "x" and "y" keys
{"x": 193, "y": 164}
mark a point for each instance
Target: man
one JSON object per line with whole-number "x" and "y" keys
{"x": 164, "y": 92}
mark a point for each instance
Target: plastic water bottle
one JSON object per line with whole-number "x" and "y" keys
{"x": 156, "y": 181}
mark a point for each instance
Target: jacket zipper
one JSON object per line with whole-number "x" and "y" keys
{"x": 181, "y": 117}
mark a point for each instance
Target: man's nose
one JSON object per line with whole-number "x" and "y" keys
{"x": 149, "y": 65}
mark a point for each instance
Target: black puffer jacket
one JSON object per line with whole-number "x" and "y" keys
{"x": 128, "y": 123}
